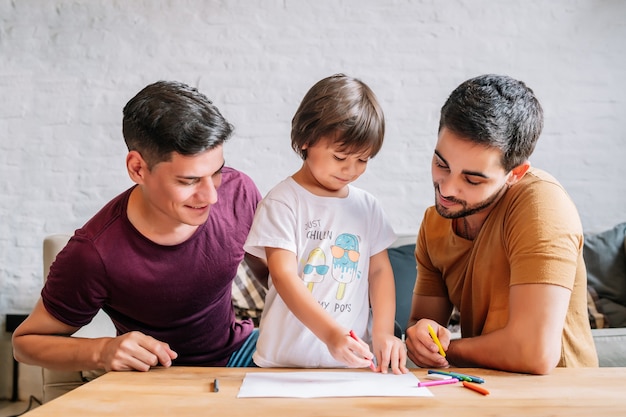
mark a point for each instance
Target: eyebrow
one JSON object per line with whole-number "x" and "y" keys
{"x": 194, "y": 177}
{"x": 465, "y": 171}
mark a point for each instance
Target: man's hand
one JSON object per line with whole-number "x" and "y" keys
{"x": 135, "y": 351}
{"x": 422, "y": 350}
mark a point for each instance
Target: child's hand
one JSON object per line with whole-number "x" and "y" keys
{"x": 355, "y": 353}
{"x": 390, "y": 352}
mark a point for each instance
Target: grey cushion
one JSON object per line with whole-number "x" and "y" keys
{"x": 605, "y": 259}
{"x": 404, "y": 267}
{"x": 611, "y": 346}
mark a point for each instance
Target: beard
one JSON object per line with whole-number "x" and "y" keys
{"x": 466, "y": 210}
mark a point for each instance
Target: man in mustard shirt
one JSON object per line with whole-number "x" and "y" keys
{"x": 503, "y": 243}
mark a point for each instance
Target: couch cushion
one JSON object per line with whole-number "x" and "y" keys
{"x": 596, "y": 318}
{"x": 605, "y": 259}
{"x": 248, "y": 295}
{"x": 611, "y": 346}
{"x": 404, "y": 267}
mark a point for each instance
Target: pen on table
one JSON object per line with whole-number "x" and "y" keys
{"x": 462, "y": 377}
{"x": 433, "y": 336}
{"x": 372, "y": 366}
{"x": 475, "y": 387}
{"x": 216, "y": 386}
{"x": 440, "y": 382}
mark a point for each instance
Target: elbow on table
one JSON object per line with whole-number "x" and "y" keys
{"x": 540, "y": 360}
{"x": 541, "y": 367}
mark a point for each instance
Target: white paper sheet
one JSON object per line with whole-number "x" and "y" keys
{"x": 330, "y": 384}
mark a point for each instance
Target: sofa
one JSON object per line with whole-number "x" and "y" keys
{"x": 605, "y": 260}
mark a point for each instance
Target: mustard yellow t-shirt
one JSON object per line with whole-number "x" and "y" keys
{"x": 532, "y": 235}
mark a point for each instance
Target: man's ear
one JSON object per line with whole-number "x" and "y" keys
{"x": 518, "y": 173}
{"x": 136, "y": 167}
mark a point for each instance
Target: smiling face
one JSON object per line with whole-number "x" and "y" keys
{"x": 328, "y": 169}
{"x": 468, "y": 178}
{"x": 178, "y": 192}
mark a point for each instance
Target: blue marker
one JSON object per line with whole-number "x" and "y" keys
{"x": 460, "y": 377}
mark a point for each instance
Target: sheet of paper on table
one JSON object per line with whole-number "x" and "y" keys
{"x": 330, "y": 384}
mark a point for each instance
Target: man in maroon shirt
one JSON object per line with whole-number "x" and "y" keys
{"x": 160, "y": 257}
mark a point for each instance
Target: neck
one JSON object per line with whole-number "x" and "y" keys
{"x": 154, "y": 227}
{"x": 466, "y": 229}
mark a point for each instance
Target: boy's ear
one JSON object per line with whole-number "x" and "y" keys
{"x": 136, "y": 167}
{"x": 518, "y": 173}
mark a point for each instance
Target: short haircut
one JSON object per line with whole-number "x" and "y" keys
{"x": 495, "y": 111}
{"x": 170, "y": 116}
{"x": 342, "y": 107}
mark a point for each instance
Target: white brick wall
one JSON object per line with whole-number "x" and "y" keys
{"x": 68, "y": 67}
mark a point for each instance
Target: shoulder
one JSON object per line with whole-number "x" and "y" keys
{"x": 538, "y": 207}
{"x": 363, "y": 198}
{"x": 110, "y": 213}
{"x": 288, "y": 191}
{"x": 537, "y": 183}
{"x": 237, "y": 185}
{"x": 540, "y": 193}
{"x": 232, "y": 178}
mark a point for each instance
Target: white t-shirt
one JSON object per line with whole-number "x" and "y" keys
{"x": 333, "y": 239}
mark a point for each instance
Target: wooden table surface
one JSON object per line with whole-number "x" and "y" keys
{"x": 187, "y": 391}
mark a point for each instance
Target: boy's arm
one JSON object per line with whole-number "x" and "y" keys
{"x": 389, "y": 350}
{"x": 283, "y": 269}
{"x": 44, "y": 341}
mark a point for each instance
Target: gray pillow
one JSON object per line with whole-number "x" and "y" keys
{"x": 404, "y": 267}
{"x": 605, "y": 259}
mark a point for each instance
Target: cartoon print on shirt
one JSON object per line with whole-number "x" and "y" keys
{"x": 345, "y": 260}
{"x": 315, "y": 268}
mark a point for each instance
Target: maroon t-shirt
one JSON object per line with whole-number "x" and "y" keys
{"x": 178, "y": 294}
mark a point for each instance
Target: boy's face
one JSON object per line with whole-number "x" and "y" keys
{"x": 182, "y": 190}
{"x": 327, "y": 170}
{"x": 468, "y": 178}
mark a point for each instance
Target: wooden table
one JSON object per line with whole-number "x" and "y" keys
{"x": 187, "y": 391}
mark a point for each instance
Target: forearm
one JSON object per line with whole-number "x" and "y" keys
{"x": 505, "y": 350}
{"x": 530, "y": 342}
{"x": 59, "y": 352}
{"x": 382, "y": 299}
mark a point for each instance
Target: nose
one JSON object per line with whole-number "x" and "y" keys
{"x": 207, "y": 191}
{"x": 448, "y": 186}
{"x": 353, "y": 168}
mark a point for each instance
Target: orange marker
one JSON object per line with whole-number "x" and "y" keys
{"x": 475, "y": 387}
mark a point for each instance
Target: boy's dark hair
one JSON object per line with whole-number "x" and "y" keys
{"x": 495, "y": 111}
{"x": 343, "y": 107}
{"x": 170, "y": 116}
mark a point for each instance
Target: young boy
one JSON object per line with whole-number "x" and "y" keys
{"x": 325, "y": 242}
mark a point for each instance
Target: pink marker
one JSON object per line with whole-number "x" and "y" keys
{"x": 442, "y": 382}
{"x": 353, "y": 335}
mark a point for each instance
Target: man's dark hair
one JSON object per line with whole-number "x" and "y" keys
{"x": 170, "y": 116}
{"x": 495, "y": 111}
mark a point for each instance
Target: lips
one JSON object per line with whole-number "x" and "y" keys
{"x": 445, "y": 202}
{"x": 202, "y": 207}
